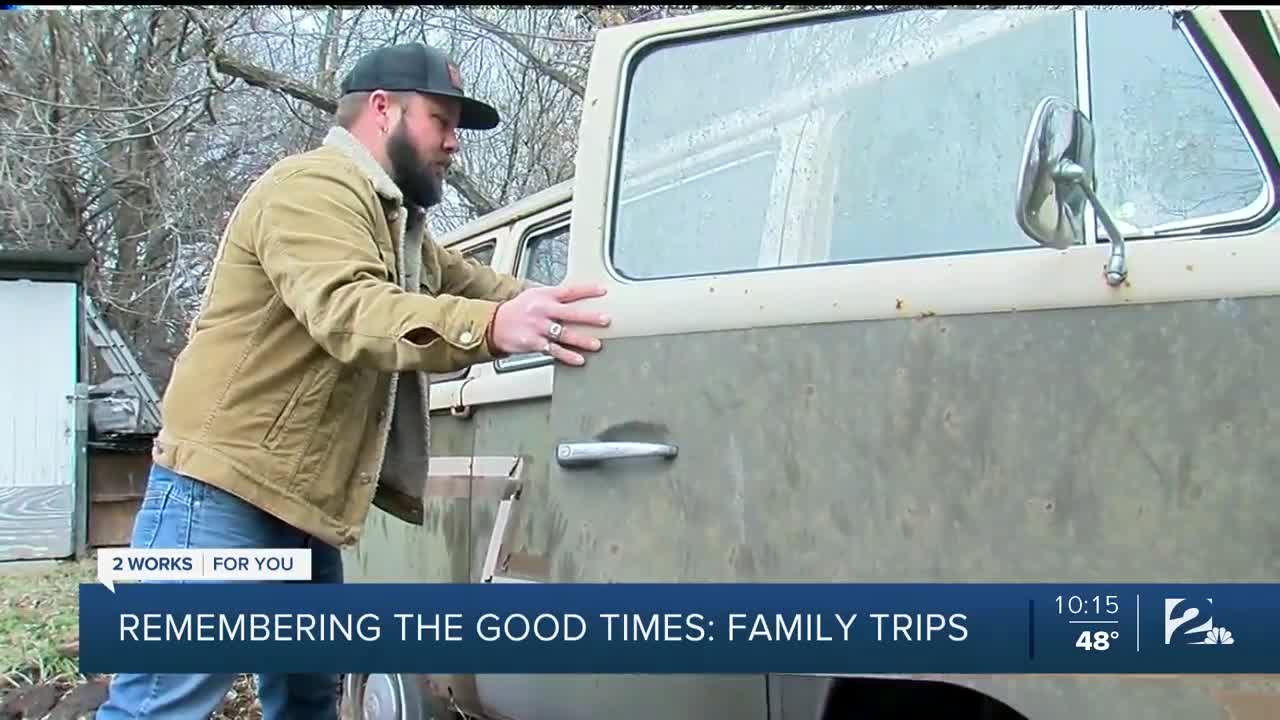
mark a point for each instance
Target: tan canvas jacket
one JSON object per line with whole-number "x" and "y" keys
{"x": 304, "y": 386}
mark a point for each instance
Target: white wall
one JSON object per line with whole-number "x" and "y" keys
{"x": 37, "y": 418}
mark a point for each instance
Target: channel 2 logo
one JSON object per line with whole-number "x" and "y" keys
{"x": 1188, "y": 624}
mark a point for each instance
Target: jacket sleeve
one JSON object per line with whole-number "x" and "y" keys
{"x": 315, "y": 241}
{"x": 464, "y": 276}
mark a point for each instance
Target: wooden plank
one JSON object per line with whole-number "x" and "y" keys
{"x": 105, "y": 499}
{"x": 35, "y": 522}
{"x": 117, "y": 483}
{"x": 455, "y": 476}
{"x": 117, "y": 475}
{"x": 111, "y": 523}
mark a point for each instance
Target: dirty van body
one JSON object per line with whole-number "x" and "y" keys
{"x": 914, "y": 295}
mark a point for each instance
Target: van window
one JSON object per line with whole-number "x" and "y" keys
{"x": 1170, "y": 150}
{"x": 924, "y": 157}
{"x": 544, "y": 260}
{"x": 681, "y": 223}
{"x": 483, "y": 254}
{"x": 899, "y": 134}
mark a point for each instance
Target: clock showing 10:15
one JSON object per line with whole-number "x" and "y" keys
{"x": 1087, "y": 604}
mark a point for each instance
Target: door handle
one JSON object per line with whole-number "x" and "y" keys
{"x": 590, "y": 453}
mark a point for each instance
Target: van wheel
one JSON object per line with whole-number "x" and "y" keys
{"x": 387, "y": 696}
{"x": 876, "y": 699}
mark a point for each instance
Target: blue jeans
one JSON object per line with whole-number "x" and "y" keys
{"x": 179, "y": 512}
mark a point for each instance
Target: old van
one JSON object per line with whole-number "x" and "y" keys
{"x": 912, "y": 294}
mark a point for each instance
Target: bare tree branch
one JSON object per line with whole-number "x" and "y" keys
{"x": 134, "y": 131}
{"x": 262, "y": 78}
{"x": 519, "y": 46}
{"x": 469, "y": 191}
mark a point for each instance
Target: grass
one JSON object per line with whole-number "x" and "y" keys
{"x": 40, "y": 617}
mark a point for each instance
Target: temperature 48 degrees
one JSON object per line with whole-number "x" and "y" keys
{"x": 1096, "y": 639}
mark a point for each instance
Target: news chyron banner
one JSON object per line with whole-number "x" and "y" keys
{"x": 241, "y": 611}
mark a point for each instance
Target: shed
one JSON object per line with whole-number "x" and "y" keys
{"x": 43, "y": 405}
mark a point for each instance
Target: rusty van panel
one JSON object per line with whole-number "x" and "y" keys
{"x": 1119, "y": 444}
{"x": 1043, "y": 697}
{"x": 538, "y": 532}
{"x": 1125, "y": 444}
{"x": 514, "y": 429}
{"x": 392, "y": 550}
{"x": 1137, "y": 698}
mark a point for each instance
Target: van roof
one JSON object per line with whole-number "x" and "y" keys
{"x": 555, "y": 195}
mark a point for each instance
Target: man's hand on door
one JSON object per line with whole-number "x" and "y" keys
{"x": 539, "y": 320}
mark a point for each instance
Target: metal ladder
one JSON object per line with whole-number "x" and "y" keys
{"x": 121, "y": 361}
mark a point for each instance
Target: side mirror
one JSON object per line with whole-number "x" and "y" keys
{"x": 1057, "y": 179}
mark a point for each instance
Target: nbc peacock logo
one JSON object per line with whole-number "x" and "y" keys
{"x": 1186, "y": 623}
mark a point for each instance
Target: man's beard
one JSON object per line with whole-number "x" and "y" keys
{"x": 413, "y": 177}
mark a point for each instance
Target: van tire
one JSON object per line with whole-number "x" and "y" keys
{"x": 389, "y": 696}
{"x": 877, "y": 699}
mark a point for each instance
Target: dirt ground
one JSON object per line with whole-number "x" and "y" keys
{"x": 39, "y": 671}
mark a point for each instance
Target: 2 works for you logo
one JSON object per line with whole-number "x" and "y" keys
{"x": 1188, "y": 624}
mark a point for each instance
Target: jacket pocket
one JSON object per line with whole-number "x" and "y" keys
{"x": 333, "y": 449}
{"x": 311, "y": 384}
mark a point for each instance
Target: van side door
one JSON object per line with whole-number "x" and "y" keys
{"x": 835, "y": 356}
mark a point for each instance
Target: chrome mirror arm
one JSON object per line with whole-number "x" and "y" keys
{"x": 1117, "y": 265}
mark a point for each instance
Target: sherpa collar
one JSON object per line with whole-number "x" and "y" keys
{"x": 343, "y": 140}
{"x": 413, "y": 235}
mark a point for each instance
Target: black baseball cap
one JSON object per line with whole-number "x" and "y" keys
{"x": 417, "y": 67}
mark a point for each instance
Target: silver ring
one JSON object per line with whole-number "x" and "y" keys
{"x": 554, "y": 331}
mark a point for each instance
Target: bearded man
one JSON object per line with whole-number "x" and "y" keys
{"x": 301, "y": 397}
